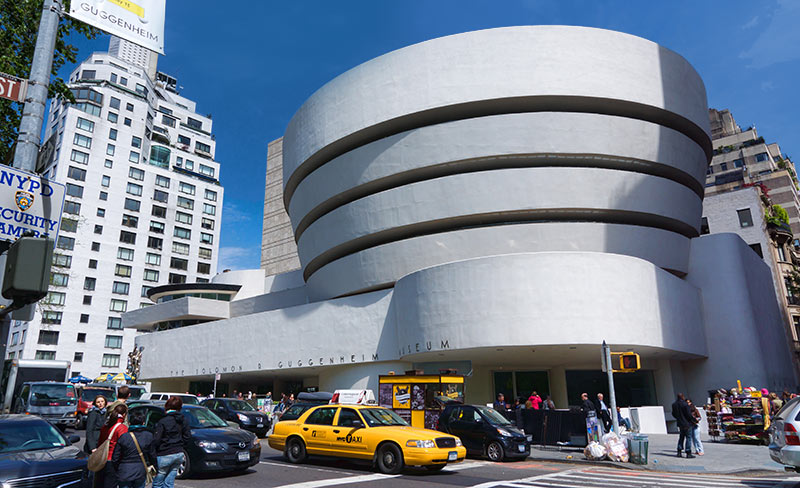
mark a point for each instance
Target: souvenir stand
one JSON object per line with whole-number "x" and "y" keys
{"x": 738, "y": 416}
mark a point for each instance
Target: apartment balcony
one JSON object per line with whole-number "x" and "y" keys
{"x": 781, "y": 232}
{"x": 793, "y": 301}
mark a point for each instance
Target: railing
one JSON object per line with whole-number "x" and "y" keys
{"x": 793, "y": 300}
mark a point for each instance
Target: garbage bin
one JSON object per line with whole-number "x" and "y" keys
{"x": 638, "y": 445}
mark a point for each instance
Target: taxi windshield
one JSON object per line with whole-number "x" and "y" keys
{"x": 376, "y": 417}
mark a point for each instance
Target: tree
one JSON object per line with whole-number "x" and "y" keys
{"x": 19, "y": 23}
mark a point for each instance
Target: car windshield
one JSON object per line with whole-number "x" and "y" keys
{"x": 29, "y": 436}
{"x": 44, "y": 395}
{"x": 376, "y": 417}
{"x": 202, "y": 418}
{"x": 136, "y": 392}
{"x": 241, "y": 405}
{"x": 493, "y": 415}
{"x": 89, "y": 394}
{"x": 188, "y": 399}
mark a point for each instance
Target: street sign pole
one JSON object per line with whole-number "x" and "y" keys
{"x": 612, "y": 397}
{"x": 216, "y": 377}
{"x": 30, "y": 127}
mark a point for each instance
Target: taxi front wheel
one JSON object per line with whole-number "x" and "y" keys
{"x": 390, "y": 459}
{"x": 296, "y": 451}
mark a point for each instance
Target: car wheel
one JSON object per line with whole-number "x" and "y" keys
{"x": 390, "y": 459}
{"x": 494, "y": 451}
{"x": 185, "y": 468}
{"x": 435, "y": 467}
{"x": 296, "y": 450}
{"x": 81, "y": 423}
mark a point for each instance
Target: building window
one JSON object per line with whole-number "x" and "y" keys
{"x": 105, "y": 181}
{"x": 182, "y": 233}
{"x": 55, "y": 298}
{"x": 201, "y": 147}
{"x": 112, "y": 134}
{"x": 48, "y": 355}
{"x": 92, "y": 264}
{"x": 211, "y": 195}
{"x": 206, "y": 170}
{"x": 125, "y": 254}
{"x": 738, "y": 163}
{"x": 67, "y": 243}
{"x": 178, "y": 263}
{"x": 132, "y": 204}
{"x": 129, "y": 107}
{"x": 162, "y": 181}
{"x": 110, "y": 361}
{"x": 89, "y": 283}
{"x": 134, "y": 189}
{"x": 757, "y": 249}
{"x": 207, "y": 224}
{"x": 48, "y": 337}
{"x": 72, "y": 208}
{"x": 96, "y": 246}
{"x": 51, "y": 317}
{"x": 122, "y": 270}
{"x": 133, "y": 157}
{"x": 62, "y": 260}
{"x": 160, "y": 196}
{"x": 14, "y": 339}
{"x": 183, "y": 218}
{"x": 114, "y": 103}
{"x": 761, "y": 157}
{"x": 150, "y": 275}
{"x": 81, "y": 140}
{"x": 127, "y": 121}
{"x": 177, "y": 278}
{"x": 160, "y": 212}
{"x": 205, "y": 253}
{"x": 136, "y": 142}
{"x": 115, "y": 323}
{"x": 109, "y": 163}
{"x": 781, "y": 254}
{"x": 114, "y": 342}
{"x": 81, "y": 337}
{"x": 155, "y": 243}
{"x": 180, "y": 248}
{"x": 87, "y": 299}
{"x": 84, "y": 318}
{"x": 130, "y": 221}
{"x": 182, "y": 139}
{"x": 84, "y": 124}
{"x": 186, "y": 188}
{"x": 206, "y": 238}
{"x": 153, "y": 259}
{"x": 112, "y": 117}
{"x": 723, "y": 166}
{"x": 209, "y": 209}
{"x": 204, "y": 268}
{"x": 118, "y": 305}
{"x": 88, "y": 74}
{"x": 187, "y": 203}
{"x": 74, "y": 190}
{"x": 103, "y": 195}
{"x": 745, "y": 218}
{"x": 76, "y": 173}
{"x": 704, "y": 226}
{"x": 168, "y": 121}
{"x": 157, "y": 227}
{"x": 189, "y": 164}
{"x": 123, "y": 81}
{"x": 101, "y": 212}
{"x": 136, "y": 174}
{"x": 145, "y": 291}
{"x": 59, "y": 279}
{"x": 69, "y": 225}
{"x": 110, "y": 149}
{"x": 194, "y": 124}
{"x": 78, "y": 357}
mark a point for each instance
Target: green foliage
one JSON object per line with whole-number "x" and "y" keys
{"x": 19, "y": 23}
{"x": 780, "y": 213}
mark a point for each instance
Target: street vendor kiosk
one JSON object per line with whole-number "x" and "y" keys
{"x": 419, "y": 398}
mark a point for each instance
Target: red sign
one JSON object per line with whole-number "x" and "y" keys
{"x": 12, "y": 88}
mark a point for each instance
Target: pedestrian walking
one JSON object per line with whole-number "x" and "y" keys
{"x": 695, "y": 432}
{"x": 586, "y": 404}
{"x": 171, "y": 437}
{"x": 603, "y": 412}
{"x": 94, "y": 422}
{"x": 680, "y": 410}
{"x": 111, "y": 430}
{"x": 135, "y": 452}
{"x": 536, "y": 400}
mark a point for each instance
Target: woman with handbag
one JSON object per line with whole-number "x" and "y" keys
{"x": 172, "y": 436}
{"x": 135, "y": 455}
{"x": 111, "y": 432}
{"x": 94, "y": 422}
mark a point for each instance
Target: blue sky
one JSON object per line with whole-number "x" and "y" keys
{"x": 252, "y": 64}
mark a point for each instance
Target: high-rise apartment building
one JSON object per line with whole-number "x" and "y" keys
{"x": 143, "y": 208}
{"x": 278, "y": 248}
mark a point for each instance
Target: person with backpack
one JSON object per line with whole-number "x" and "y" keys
{"x": 172, "y": 434}
{"x": 112, "y": 430}
{"x": 134, "y": 453}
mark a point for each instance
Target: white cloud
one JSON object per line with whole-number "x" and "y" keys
{"x": 235, "y": 258}
{"x": 232, "y": 213}
{"x": 752, "y": 23}
{"x": 767, "y": 86}
{"x": 778, "y": 42}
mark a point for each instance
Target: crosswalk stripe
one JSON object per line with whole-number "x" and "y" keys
{"x": 341, "y": 481}
{"x": 637, "y": 479}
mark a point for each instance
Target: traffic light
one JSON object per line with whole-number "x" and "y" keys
{"x": 629, "y": 362}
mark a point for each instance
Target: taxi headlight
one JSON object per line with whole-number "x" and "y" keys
{"x": 458, "y": 442}
{"x": 425, "y": 444}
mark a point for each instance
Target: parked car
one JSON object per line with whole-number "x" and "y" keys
{"x": 484, "y": 431}
{"x": 214, "y": 446}
{"x": 34, "y": 453}
{"x": 241, "y": 412}
{"x": 164, "y": 396}
{"x": 56, "y": 402}
{"x": 784, "y": 435}
{"x": 136, "y": 391}
{"x": 87, "y": 396}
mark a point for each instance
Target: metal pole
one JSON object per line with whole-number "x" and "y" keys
{"x": 611, "y": 394}
{"x": 30, "y": 127}
{"x": 215, "y": 386}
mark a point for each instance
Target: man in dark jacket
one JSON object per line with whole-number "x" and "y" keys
{"x": 172, "y": 434}
{"x": 682, "y": 414}
{"x": 130, "y": 468}
{"x": 586, "y": 404}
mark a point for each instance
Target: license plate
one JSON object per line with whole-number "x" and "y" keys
{"x": 521, "y": 448}
{"x": 529, "y": 437}
{"x": 244, "y": 456}
{"x": 452, "y": 456}
{"x": 259, "y": 426}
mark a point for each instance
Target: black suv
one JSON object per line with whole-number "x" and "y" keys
{"x": 241, "y": 412}
{"x": 483, "y": 431}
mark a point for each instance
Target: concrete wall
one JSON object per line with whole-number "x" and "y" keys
{"x": 278, "y": 249}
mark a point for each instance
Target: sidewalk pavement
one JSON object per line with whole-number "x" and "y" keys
{"x": 719, "y": 457}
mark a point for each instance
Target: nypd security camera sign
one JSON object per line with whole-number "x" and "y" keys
{"x": 29, "y": 203}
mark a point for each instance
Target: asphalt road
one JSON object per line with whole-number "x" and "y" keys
{"x": 273, "y": 471}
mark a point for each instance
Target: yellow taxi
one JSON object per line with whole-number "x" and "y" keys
{"x": 365, "y": 432}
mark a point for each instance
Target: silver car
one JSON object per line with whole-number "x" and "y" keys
{"x": 784, "y": 435}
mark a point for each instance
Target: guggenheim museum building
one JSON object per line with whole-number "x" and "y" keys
{"x": 498, "y": 202}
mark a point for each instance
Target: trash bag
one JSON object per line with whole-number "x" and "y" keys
{"x": 594, "y": 451}
{"x": 615, "y": 448}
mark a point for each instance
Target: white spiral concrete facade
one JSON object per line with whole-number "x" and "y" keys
{"x": 497, "y": 134}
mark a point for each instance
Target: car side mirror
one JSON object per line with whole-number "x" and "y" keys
{"x": 357, "y": 424}
{"x": 74, "y": 439}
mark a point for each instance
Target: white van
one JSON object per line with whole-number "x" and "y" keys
{"x": 164, "y": 396}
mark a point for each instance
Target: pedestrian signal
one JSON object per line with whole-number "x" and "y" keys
{"x": 629, "y": 362}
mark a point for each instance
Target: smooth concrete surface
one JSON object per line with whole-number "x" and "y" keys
{"x": 187, "y": 308}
